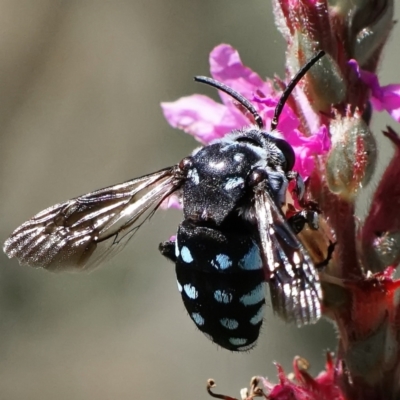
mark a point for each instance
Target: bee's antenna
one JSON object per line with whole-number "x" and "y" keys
{"x": 291, "y": 85}
{"x": 233, "y": 93}
{"x": 249, "y": 107}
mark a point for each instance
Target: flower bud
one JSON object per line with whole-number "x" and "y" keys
{"x": 309, "y": 18}
{"x": 351, "y": 161}
{"x": 324, "y": 84}
{"x": 379, "y": 239}
{"x": 367, "y": 24}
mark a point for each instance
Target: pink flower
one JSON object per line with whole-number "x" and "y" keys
{"x": 304, "y": 386}
{"x": 208, "y": 120}
{"x": 382, "y": 97}
{"x": 172, "y": 201}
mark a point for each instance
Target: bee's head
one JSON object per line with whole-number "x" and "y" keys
{"x": 254, "y": 136}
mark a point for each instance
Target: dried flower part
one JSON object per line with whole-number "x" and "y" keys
{"x": 303, "y": 386}
{"x": 379, "y": 238}
{"x": 352, "y": 158}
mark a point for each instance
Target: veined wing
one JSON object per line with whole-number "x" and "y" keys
{"x": 293, "y": 279}
{"x": 83, "y": 232}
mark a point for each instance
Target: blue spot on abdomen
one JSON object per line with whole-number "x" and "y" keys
{"x": 222, "y": 261}
{"x": 252, "y": 260}
{"x": 186, "y": 255}
{"x": 254, "y": 297}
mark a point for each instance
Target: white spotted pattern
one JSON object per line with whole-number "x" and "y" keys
{"x": 186, "y": 255}
{"x": 232, "y": 183}
{"x": 222, "y": 297}
{"x": 179, "y": 286}
{"x": 194, "y": 176}
{"x": 229, "y": 323}
{"x": 190, "y": 291}
{"x": 258, "y": 316}
{"x": 238, "y": 341}
{"x": 217, "y": 165}
{"x": 252, "y": 260}
{"x": 198, "y": 319}
{"x": 222, "y": 261}
{"x": 254, "y": 297}
{"x": 238, "y": 157}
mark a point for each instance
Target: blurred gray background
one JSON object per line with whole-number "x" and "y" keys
{"x": 80, "y": 87}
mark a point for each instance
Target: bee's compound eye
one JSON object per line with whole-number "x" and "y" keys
{"x": 186, "y": 164}
{"x": 257, "y": 176}
{"x": 288, "y": 152}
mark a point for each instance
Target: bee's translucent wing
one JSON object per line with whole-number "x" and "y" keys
{"x": 83, "y": 232}
{"x": 293, "y": 279}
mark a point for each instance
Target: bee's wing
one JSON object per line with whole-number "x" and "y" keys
{"x": 83, "y": 232}
{"x": 293, "y": 279}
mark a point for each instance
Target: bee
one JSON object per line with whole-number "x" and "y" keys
{"x": 234, "y": 236}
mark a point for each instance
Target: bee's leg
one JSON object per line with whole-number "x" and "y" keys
{"x": 298, "y": 190}
{"x": 309, "y": 217}
{"x": 328, "y": 258}
{"x": 298, "y": 221}
{"x": 299, "y": 185}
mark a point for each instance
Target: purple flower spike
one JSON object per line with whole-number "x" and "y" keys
{"x": 326, "y": 122}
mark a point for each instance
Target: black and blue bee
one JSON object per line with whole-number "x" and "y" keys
{"x": 234, "y": 236}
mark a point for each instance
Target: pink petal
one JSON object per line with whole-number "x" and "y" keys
{"x": 391, "y": 100}
{"x": 307, "y": 147}
{"x": 369, "y": 79}
{"x": 172, "y": 201}
{"x": 312, "y": 119}
{"x": 319, "y": 143}
{"x": 200, "y": 116}
{"x": 304, "y": 164}
{"x": 287, "y": 120}
{"x": 226, "y": 66}
{"x": 382, "y": 97}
